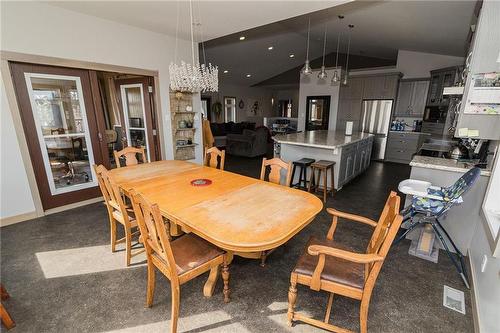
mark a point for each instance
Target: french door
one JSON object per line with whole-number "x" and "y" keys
{"x": 60, "y": 124}
{"x": 138, "y": 125}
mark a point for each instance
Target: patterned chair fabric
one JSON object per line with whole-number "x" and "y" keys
{"x": 450, "y": 195}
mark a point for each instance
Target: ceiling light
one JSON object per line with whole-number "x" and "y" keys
{"x": 270, "y": 48}
{"x": 249, "y": 75}
{"x": 291, "y": 55}
{"x": 306, "y": 70}
{"x": 322, "y": 74}
{"x": 226, "y": 71}
{"x": 347, "y": 58}
{"x": 242, "y": 37}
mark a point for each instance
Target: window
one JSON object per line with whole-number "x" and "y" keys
{"x": 230, "y": 109}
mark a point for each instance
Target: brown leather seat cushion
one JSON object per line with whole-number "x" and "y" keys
{"x": 190, "y": 251}
{"x": 335, "y": 270}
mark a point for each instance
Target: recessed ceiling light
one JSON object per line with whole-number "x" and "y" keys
{"x": 291, "y": 55}
{"x": 242, "y": 37}
{"x": 249, "y": 75}
{"x": 270, "y": 48}
{"x": 226, "y": 71}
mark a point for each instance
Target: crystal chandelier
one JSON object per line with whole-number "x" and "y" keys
{"x": 194, "y": 77}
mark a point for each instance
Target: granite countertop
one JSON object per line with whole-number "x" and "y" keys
{"x": 410, "y": 132}
{"x": 321, "y": 139}
{"x": 438, "y": 163}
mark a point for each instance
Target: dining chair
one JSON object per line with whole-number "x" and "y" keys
{"x": 276, "y": 165}
{"x": 214, "y": 158}
{"x": 118, "y": 211}
{"x": 180, "y": 260}
{"x": 130, "y": 155}
{"x": 5, "y": 317}
{"x": 329, "y": 266}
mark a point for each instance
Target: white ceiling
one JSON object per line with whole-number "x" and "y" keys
{"x": 381, "y": 28}
{"x": 218, "y": 18}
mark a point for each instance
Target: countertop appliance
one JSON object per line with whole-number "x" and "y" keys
{"x": 376, "y": 119}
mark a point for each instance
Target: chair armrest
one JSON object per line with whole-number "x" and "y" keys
{"x": 352, "y": 217}
{"x": 360, "y": 258}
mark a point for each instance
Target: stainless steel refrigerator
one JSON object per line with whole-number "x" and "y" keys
{"x": 376, "y": 119}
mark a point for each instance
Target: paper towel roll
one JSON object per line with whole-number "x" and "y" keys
{"x": 348, "y": 127}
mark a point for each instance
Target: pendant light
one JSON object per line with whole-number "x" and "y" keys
{"x": 336, "y": 77}
{"x": 347, "y": 58}
{"x": 306, "y": 70}
{"x": 322, "y": 73}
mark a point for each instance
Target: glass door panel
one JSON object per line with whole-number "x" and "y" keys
{"x": 62, "y": 130}
{"x": 134, "y": 112}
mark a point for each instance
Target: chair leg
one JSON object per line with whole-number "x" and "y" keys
{"x": 311, "y": 181}
{"x": 363, "y": 315}
{"x": 3, "y": 293}
{"x": 225, "y": 279}
{"x": 6, "y": 318}
{"x": 151, "y": 284}
{"x": 292, "y": 299}
{"x": 208, "y": 288}
{"x": 450, "y": 255}
{"x": 112, "y": 225}
{"x": 175, "y": 306}
{"x": 128, "y": 244}
{"x": 403, "y": 235}
{"x": 329, "y": 308}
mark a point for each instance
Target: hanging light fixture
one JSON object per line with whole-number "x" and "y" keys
{"x": 336, "y": 77}
{"x": 322, "y": 73}
{"x": 194, "y": 77}
{"x": 306, "y": 70}
{"x": 347, "y": 58}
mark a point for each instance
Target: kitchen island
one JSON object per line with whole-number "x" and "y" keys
{"x": 351, "y": 154}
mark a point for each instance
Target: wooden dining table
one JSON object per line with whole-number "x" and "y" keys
{"x": 239, "y": 214}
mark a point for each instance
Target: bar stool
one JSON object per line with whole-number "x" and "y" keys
{"x": 303, "y": 164}
{"x": 321, "y": 167}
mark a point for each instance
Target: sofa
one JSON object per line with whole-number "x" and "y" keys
{"x": 221, "y": 130}
{"x": 250, "y": 143}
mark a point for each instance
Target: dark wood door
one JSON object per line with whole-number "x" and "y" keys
{"x": 137, "y": 115}
{"x": 317, "y": 112}
{"x": 60, "y": 124}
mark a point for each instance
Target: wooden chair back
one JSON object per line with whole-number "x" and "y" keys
{"x": 384, "y": 234}
{"x": 130, "y": 154}
{"x": 214, "y": 158}
{"x": 154, "y": 232}
{"x": 111, "y": 192}
{"x": 276, "y": 165}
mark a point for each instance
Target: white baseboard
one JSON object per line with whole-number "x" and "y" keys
{"x": 31, "y": 215}
{"x": 17, "y": 218}
{"x": 475, "y": 306}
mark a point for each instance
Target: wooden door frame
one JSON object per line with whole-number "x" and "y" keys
{"x": 5, "y": 57}
{"x": 328, "y": 98}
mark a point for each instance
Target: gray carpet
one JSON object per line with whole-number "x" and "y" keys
{"x": 63, "y": 278}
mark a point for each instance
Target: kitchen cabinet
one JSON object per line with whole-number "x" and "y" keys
{"x": 353, "y": 89}
{"x": 412, "y": 96}
{"x": 440, "y": 79}
{"x": 402, "y": 146}
{"x": 381, "y": 87}
{"x": 355, "y": 158}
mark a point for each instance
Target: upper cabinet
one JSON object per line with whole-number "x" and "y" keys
{"x": 412, "y": 96}
{"x": 381, "y": 87}
{"x": 353, "y": 89}
{"x": 440, "y": 79}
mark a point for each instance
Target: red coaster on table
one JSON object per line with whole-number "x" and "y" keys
{"x": 201, "y": 182}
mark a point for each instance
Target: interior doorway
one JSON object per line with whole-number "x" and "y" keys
{"x": 74, "y": 118}
{"x": 317, "y": 112}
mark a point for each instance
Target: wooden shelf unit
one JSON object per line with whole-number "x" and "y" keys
{"x": 178, "y": 114}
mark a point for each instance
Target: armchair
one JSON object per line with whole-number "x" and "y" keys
{"x": 329, "y": 266}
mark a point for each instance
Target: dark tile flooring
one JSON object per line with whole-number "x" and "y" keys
{"x": 407, "y": 296}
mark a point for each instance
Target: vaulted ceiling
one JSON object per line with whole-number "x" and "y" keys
{"x": 380, "y": 30}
